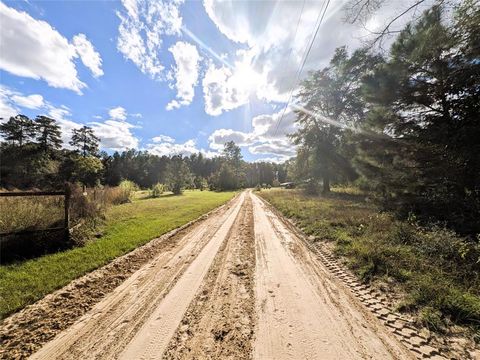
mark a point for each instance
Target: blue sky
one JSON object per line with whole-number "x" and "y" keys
{"x": 168, "y": 77}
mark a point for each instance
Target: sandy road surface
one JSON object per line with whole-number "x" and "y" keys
{"x": 239, "y": 285}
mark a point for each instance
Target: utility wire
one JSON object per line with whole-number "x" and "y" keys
{"x": 319, "y": 21}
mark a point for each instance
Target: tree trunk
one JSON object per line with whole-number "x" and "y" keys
{"x": 326, "y": 183}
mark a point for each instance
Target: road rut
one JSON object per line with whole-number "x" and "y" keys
{"x": 239, "y": 285}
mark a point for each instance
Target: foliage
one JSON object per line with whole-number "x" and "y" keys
{"x": 18, "y": 130}
{"x": 48, "y": 133}
{"x": 437, "y": 269}
{"x": 178, "y": 175}
{"x": 225, "y": 178}
{"x": 29, "y": 213}
{"x": 331, "y": 105}
{"x": 157, "y": 190}
{"x": 128, "y": 188}
{"x": 200, "y": 183}
{"x": 429, "y": 164}
{"x": 85, "y": 141}
{"x": 86, "y": 170}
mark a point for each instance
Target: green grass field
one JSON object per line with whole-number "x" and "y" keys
{"x": 437, "y": 270}
{"x": 127, "y": 227}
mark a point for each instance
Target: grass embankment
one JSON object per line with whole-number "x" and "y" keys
{"x": 127, "y": 227}
{"x": 436, "y": 270}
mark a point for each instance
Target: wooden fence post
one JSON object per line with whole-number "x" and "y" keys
{"x": 67, "y": 207}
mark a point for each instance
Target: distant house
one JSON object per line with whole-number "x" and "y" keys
{"x": 288, "y": 185}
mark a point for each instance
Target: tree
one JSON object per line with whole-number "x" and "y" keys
{"x": 18, "y": 129}
{"x": 427, "y": 99}
{"x": 178, "y": 174}
{"x": 331, "y": 109}
{"x": 233, "y": 157}
{"x": 85, "y": 141}
{"x": 48, "y": 133}
{"x": 87, "y": 170}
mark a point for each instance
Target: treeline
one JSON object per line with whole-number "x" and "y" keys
{"x": 405, "y": 126}
{"x": 33, "y": 157}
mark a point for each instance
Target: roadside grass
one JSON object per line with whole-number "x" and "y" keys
{"x": 437, "y": 271}
{"x": 127, "y": 227}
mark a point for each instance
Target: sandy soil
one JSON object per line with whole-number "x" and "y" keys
{"x": 302, "y": 312}
{"x": 240, "y": 284}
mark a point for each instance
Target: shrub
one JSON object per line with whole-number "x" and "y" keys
{"x": 157, "y": 190}
{"x": 128, "y": 187}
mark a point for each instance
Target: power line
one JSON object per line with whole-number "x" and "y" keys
{"x": 319, "y": 21}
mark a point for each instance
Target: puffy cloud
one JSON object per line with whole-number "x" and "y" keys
{"x": 34, "y": 101}
{"x": 223, "y": 89}
{"x": 185, "y": 72}
{"x": 45, "y": 54}
{"x": 118, "y": 113}
{"x": 165, "y": 145}
{"x": 142, "y": 25}
{"x": 163, "y": 139}
{"x": 219, "y": 137}
{"x": 89, "y": 56}
{"x": 275, "y": 52}
{"x": 275, "y": 126}
{"x": 115, "y": 135}
{"x": 268, "y": 137}
{"x": 7, "y": 106}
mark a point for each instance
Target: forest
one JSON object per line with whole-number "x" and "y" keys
{"x": 33, "y": 156}
{"x": 404, "y": 126}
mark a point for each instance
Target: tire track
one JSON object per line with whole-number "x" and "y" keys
{"x": 105, "y": 330}
{"x": 152, "y": 339}
{"x": 400, "y": 326}
{"x": 302, "y": 311}
{"x": 219, "y": 322}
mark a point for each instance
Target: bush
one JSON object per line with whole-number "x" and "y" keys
{"x": 157, "y": 190}
{"x": 128, "y": 187}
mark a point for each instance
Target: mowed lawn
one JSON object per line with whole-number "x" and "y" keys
{"x": 127, "y": 227}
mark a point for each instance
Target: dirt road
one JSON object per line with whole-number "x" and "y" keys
{"x": 239, "y": 284}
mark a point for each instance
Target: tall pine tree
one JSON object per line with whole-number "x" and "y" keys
{"x": 48, "y": 133}
{"x": 85, "y": 141}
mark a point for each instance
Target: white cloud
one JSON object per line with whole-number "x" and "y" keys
{"x": 34, "y": 49}
{"x": 142, "y": 25}
{"x": 223, "y": 89}
{"x": 268, "y": 136}
{"x": 275, "y": 126}
{"x": 115, "y": 135}
{"x": 273, "y": 51}
{"x": 34, "y": 101}
{"x": 118, "y": 113}
{"x": 7, "y": 106}
{"x": 90, "y": 58}
{"x": 163, "y": 139}
{"x": 185, "y": 72}
{"x": 169, "y": 147}
{"x": 219, "y": 137}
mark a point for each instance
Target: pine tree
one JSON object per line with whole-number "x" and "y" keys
{"x": 48, "y": 133}
{"x": 18, "y": 129}
{"x": 330, "y": 104}
{"x": 427, "y": 100}
{"x": 85, "y": 141}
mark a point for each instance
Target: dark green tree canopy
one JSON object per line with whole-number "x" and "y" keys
{"x": 48, "y": 132}
{"x": 18, "y": 130}
{"x": 85, "y": 141}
